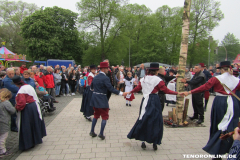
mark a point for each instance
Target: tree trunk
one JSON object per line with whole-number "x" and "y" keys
{"x": 183, "y": 60}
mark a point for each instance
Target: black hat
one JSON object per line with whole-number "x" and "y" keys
{"x": 17, "y": 79}
{"x": 171, "y": 70}
{"x": 154, "y": 66}
{"x": 93, "y": 67}
{"x": 224, "y": 64}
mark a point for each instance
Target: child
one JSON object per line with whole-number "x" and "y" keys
{"x": 81, "y": 84}
{"x": 6, "y": 109}
{"x": 129, "y": 82}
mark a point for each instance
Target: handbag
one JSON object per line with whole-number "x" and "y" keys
{"x": 59, "y": 83}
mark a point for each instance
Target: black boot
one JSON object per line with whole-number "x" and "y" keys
{"x": 143, "y": 145}
{"x": 205, "y": 106}
{"x": 200, "y": 120}
{"x": 195, "y": 116}
{"x": 155, "y": 147}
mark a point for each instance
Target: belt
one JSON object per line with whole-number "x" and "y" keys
{"x": 219, "y": 94}
{"x": 100, "y": 93}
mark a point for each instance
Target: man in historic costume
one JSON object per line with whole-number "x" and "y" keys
{"x": 31, "y": 126}
{"x": 110, "y": 75}
{"x": 87, "y": 95}
{"x": 149, "y": 125}
{"x": 101, "y": 85}
{"x": 225, "y": 109}
{"x": 197, "y": 98}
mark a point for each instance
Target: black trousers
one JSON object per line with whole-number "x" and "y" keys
{"x": 197, "y": 102}
{"x": 162, "y": 100}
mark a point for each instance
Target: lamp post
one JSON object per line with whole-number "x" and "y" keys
{"x": 226, "y": 53}
{"x": 209, "y": 50}
{"x": 129, "y": 53}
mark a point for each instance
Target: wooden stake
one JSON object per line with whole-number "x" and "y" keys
{"x": 170, "y": 115}
{"x": 185, "y": 109}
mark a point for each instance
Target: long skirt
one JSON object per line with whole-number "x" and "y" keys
{"x": 150, "y": 127}
{"x": 32, "y": 128}
{"x": 85, "y": 107}
{"x": 219, "y": 108}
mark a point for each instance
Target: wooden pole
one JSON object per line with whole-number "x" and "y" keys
{"x": 183, "y": 59}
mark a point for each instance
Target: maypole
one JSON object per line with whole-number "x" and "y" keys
{"x": 183, "y": 60}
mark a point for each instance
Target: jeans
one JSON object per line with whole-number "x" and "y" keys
{"x": 57, "y": 89}
{"x": 3, "y": 139}
{"x": 65, "y": 88}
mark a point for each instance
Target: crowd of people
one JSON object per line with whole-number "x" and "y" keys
{"x": 22, "y": 87}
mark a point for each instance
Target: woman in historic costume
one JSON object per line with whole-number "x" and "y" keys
{"x": 149, "y": 126}
{"x": 87, "y": 95}
{"x": 30, "y": 121}
{"x": 225, "y": 109}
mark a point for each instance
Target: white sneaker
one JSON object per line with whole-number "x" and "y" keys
{"x": 73, "y": 94}
{"x": 68, "y": 95}
{"x": 64, "y": 95}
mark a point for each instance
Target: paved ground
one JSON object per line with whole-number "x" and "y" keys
{"x": 12, "y": 141}
{"x": 68, "y": 136}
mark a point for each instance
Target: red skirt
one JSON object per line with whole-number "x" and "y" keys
{"x": 131, "y": 98}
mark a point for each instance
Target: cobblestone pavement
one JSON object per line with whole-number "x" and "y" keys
{"x": 12, "y": 141}
{"x": 68, "y": 136}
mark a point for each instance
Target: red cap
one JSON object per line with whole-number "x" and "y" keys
{"x": 202, "y": 64}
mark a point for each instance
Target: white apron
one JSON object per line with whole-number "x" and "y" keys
{"x": 231, "y": 82}
{"x": 171, "y": 85}
{"x": 129, "y": 86}
{"x": 148, "y": 84}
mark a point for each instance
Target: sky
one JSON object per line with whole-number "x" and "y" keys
{"x": 230, "y": 8}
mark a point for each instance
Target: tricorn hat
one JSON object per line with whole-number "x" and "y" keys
{"x": 154, "y": 66}
{"x": 104, "y": 65}
{"x": 224, "y": 64}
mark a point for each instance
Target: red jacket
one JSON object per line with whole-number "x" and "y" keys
{"x": 48, "y": 79}
{"x": 39, "y": 80}
{"x": 22, "y": 69}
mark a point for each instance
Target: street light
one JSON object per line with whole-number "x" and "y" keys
{"x": 209, "y": 50}
{"x": 226, "y": 53}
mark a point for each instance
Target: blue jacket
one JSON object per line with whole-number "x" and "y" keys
{"x": 101, "y": 85}
{"x": 82, "y": 82}
{"x": 29, "y": 81}
{"x": 8, "y": 83}
{"x": 207, "y": 74}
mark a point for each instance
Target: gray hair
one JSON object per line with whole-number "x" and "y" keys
{"x": 10, "y": 69}
{"x": 37, "y": 70}
{"x": 198, "y": 65}
{"x": 106, "y": 60}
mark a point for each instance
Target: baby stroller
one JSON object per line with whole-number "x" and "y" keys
{"x": 45, "y": 107}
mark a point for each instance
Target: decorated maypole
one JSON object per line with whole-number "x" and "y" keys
{"x": 183, "y": 60}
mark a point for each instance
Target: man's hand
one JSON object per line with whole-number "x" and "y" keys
{"x": 186, "y": 93}
{"x": 236, "y": 135}
{"x": 183, "y": 80}
{"x": 185, "y": 84}
{"x": 181, "y": 94}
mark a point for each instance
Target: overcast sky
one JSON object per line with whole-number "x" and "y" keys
{"x": 230, "y": 8}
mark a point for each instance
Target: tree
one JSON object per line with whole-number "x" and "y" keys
{"x": 183, "y": 59}
{"x": 100, "y": 15}
{"x": 52, "y": 33}
{"x": 11, "y": 16}
{"x": 229, "y": 47}
{"x": 205, "y": 16}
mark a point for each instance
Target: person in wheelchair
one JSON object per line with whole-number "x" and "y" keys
{"x": 45, "y": 97}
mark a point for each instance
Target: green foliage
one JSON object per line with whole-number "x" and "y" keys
{"x": 52, "y": 34}
{"x": 229, "y": 44}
